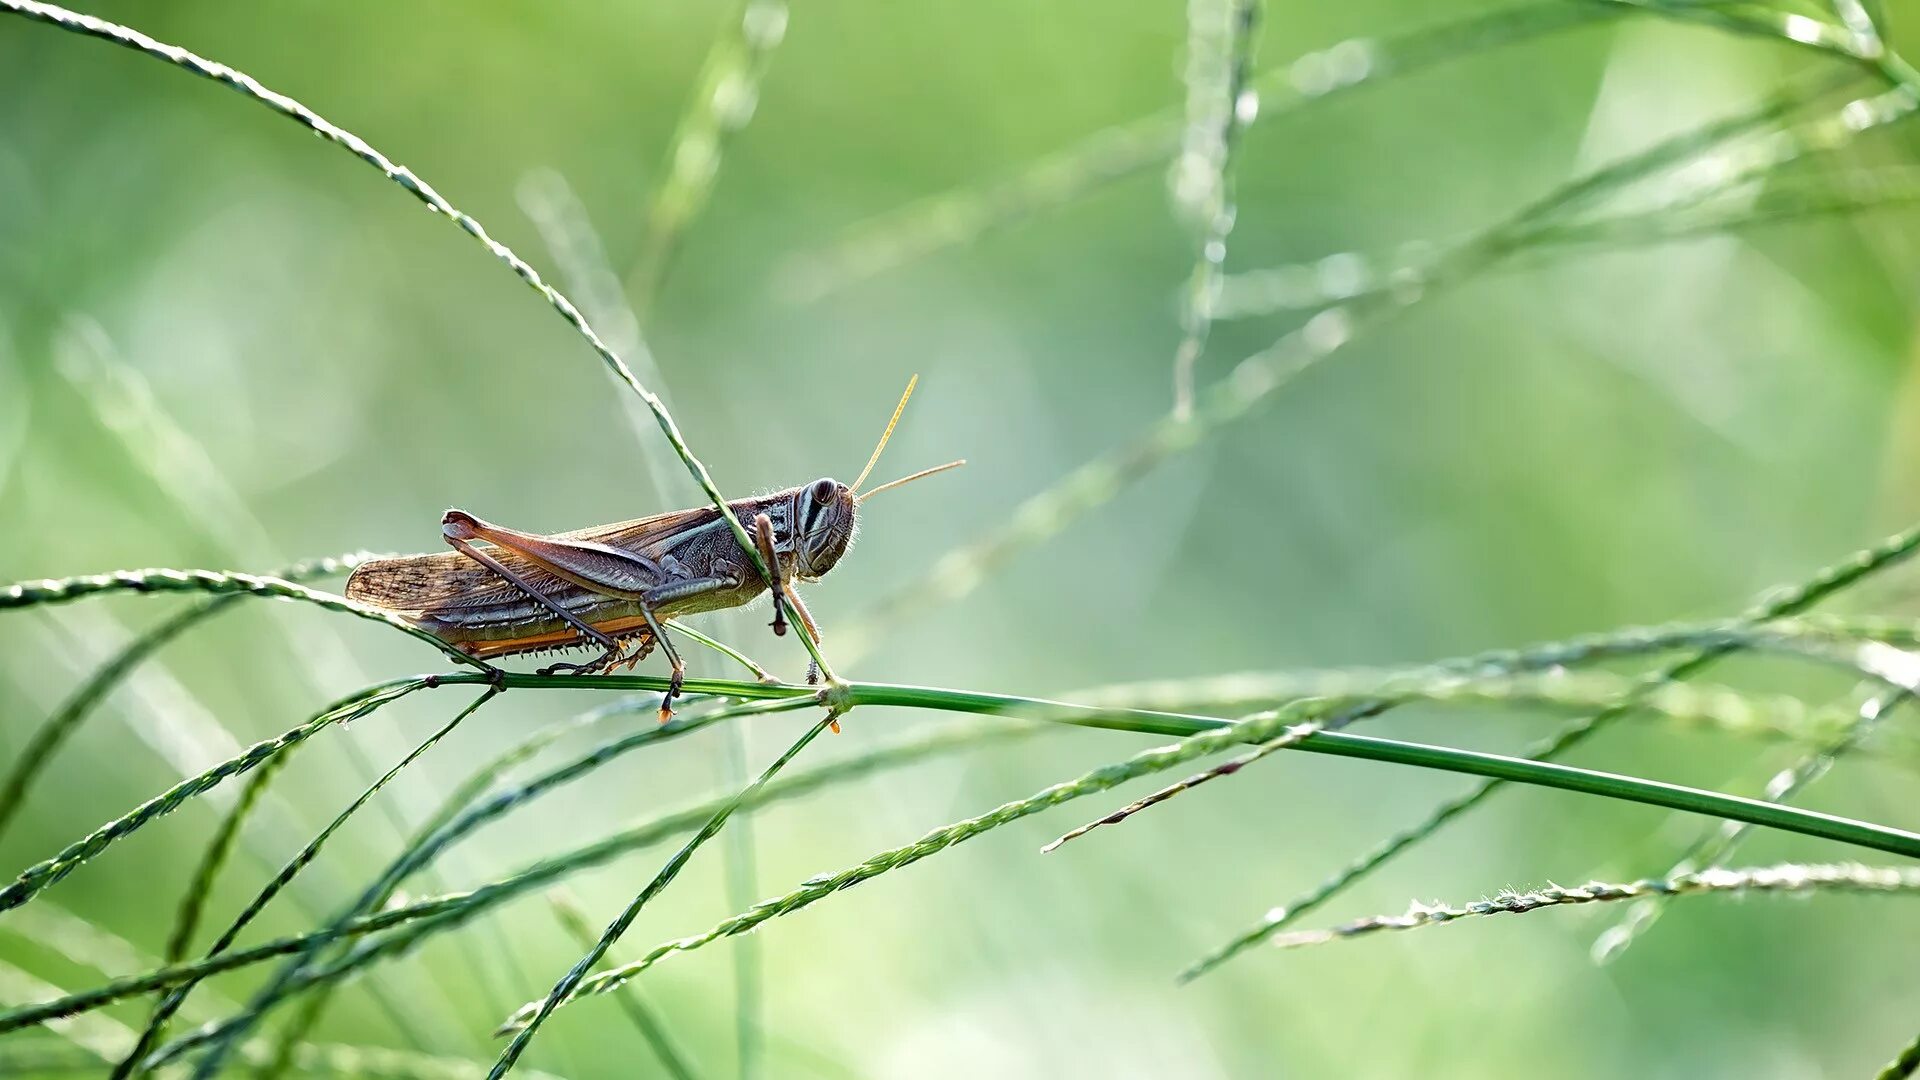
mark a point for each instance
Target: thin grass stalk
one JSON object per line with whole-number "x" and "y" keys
{"x": 65, "y": 721}
{"x": 925, "y": 697}
{"x": 894, "y": 239}
{"x": 646, "y": 1020}
{"x": 1904, "y": 1064}
{"x": 1784, "y": 201}
{"x": 723, "y": 102}
{"x": 213, "y": 859}
{"x": 1714, "y": 846}
{"x": 1790, "y": 878}
{"x": 150, "y": 1036}
{"x": 1720, "y": 708}
{"x": 1827, "y": 196}
{"x": 218, "y": 582}
{"x": 38, "y": 877}
{"x": 250, "y": 88}
{"x": 848, "y": 695}
{"x": 524, "y": 1033}
{"x": 963, "y": 216}
{"x": 460, "y": 907}
{"x": 1286, "y": 740}
{"x": 1539, "y": 223}
{"x": 171, "y": 446}
{"x": 1784, "y": 718}
{"x": 962, "y": 569}
{"x": 740, "y": 881}
{"x": 1206, "y": 736}
{"x": 575, "y": 246}
{"x": 424, "y": 851}
{"x": 82, "y": 942}
{"x": 1862, "y": 24}
{"x": 298, "y": 1029}
{"x": 104, "y": 1039}
{"x": 1221, "y": 104}
{"x": 1564, "y": 777}
{"x": 1781, "y": 603}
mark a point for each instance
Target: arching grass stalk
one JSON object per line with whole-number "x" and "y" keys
{"x": 41, "y": 875}
{"x": 150, "y": 1036}
{"x": 218, "y": 582}
{"x": 1718, "y": 843}
{"x": 252, "y": 89}
{"x": 616, "y": 929}
{"x": 442, "y": 913}
{"x": 1781, "y": 603}
{"x": 1790, "y": 878}
{"x": 1204, "y": 736}
{"x": 426, "y": 849}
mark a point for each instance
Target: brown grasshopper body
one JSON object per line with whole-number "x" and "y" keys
{"x": 613, "y": 585}
{"x": 683, "y": 562}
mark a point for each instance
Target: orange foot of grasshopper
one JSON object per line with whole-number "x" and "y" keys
{"x": 673, "y": 691}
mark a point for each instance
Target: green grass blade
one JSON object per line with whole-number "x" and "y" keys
{"x": 646, "y": 1020}
{"x": 1714, "y": 846}
{"x": 961, "y": 217}
{"x": 1256, "y": 378}
{"x": 171, "y": 1004}
{"x": 724, "y": 99}
{"x": 1782, "y": 603}
{"x": 525, "y": 1031}
{"x": 459, "y": 907}
{"x": 1203, "y": 736}
{"x": 66, "y": 720}
{"x": 1787, "y": 879}
{"x": 253, "y": 90}
{"x": 41, "y": 875}
{"x": 424, "y": 851}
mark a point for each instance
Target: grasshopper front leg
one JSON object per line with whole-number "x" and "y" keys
{"x": 763, "y": 539}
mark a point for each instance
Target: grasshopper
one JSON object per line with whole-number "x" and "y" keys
{"x": 614, "y": 585}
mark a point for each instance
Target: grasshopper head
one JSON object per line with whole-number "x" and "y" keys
{"x": 824, "y": 521}
{"x": 824, "y": 511}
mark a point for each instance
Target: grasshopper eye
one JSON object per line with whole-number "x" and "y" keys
{"x": 824, "y": 490}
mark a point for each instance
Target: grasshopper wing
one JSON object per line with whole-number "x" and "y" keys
{"x": 425, "y": 583}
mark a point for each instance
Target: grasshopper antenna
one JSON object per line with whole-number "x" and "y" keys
{"x": 910, "y": 479}
{"x": 887, "y": 434}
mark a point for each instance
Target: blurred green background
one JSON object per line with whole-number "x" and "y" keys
{"x": 226, "y": 344}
